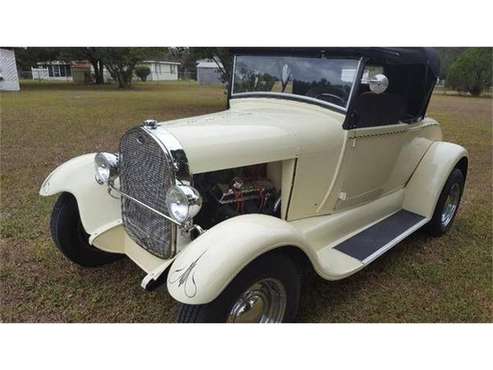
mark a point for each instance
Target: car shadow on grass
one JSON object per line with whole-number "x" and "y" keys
{"x": 366, "y": 295}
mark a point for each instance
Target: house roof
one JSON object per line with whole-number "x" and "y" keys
{"x": 160, "y": 62}
{"x": 207, "y": 63}
{"x": 54, "y": 62}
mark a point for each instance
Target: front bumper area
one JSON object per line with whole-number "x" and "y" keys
{"x": 114, "y": 239}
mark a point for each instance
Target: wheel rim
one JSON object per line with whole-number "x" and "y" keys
{"x": 450, "y": 205}
{"x": 264, "y": 302}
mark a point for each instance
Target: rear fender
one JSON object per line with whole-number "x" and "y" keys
{"x": 98, "y": 210}
{"x": 426, "y": 184}
{"x": 209, "y": 263}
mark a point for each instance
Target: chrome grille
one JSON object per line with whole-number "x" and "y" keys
{"x": 146, "y": 173}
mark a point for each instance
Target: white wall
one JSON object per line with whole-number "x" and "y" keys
{"x": 42, "y": 73}
{"x": 209, "y": 76}
{"x": 162, "y": 72}
{"x": 9, "y": 80}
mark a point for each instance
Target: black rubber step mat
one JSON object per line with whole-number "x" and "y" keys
{"x": 367, "y": 242}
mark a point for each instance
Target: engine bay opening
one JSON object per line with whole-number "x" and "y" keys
{"x": 237, "y": 191}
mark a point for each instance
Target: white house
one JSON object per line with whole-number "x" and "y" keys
{"x": 54, "y": 70}
{"x": 162, "y": 70}
{"x": 62, "y": 71}
{"x": 208, "y": 72}
{"x": 9, "y": 80}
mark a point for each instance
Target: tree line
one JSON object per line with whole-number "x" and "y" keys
{"x": 466, "y": 69}
{"x": 123, "y": 62}
{"x": 120, "y": 62}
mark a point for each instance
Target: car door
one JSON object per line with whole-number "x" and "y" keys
{"x": 381, "y": 150}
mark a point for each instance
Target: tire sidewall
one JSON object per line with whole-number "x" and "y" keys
{"x": 71, "y": 238}
{"x": 436, "y": 225}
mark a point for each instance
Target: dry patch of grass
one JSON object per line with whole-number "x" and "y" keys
{"x": 423, "y": 280}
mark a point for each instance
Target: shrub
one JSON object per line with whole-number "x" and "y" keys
{"x": 142, "y": 72}
{"x": 471, "y": 72}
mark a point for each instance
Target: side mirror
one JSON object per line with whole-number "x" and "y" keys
{"x": 379, "y": 84}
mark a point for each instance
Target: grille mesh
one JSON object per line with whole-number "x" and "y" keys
{"x": 146, "y": 173}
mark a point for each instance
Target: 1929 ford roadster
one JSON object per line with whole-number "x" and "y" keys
{"x": 323, "y": 159}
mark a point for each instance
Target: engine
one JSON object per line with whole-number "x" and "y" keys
{"x": 233, "y": 192}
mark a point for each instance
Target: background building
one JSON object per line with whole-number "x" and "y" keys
{"x": 161, "y": 70}
{"x": 64, "y": 71}
{"x": 53, "y": 70}
{"x": 9, "y": 80}
{"x": 208, "y": 72}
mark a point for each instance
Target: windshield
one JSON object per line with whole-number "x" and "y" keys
{"x": 320, "y": 79}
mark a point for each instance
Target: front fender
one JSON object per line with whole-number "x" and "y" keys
{"x": 96, "y": 207}
{"x": 209, "y": 263}
{"x": 426, "y": 184}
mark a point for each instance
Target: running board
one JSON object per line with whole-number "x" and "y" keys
{"x": 374, "y": 241}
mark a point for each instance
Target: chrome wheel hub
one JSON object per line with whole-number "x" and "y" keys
{"x": 264, "y": 302}
{"x": 450, "y": 205}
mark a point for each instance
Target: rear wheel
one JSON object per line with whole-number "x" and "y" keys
{"x": 266, "y": 291}
{"x": 71, "y": 238}
{"x": 448, "y": 204}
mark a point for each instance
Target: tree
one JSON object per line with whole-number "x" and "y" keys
{"x": 121, "y": 62}
{"x": 221, "y": 56}
{"x": 447, "y": 57}
{"x": 30, "y": 57}
{"x": 472, "y": 71}
{"x": 184, "y": 56}
{"x": 142, "y": 72}
{"x": 91, "y": 54}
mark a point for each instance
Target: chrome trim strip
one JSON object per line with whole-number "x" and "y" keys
{"x": 170, "y": 145}
{"x": 232, "y": 87}
{"x": 354, "y": 83}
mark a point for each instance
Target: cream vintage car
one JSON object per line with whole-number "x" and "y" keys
{"x": 324, "y": 159}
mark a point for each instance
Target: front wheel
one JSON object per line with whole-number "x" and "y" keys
{"x": 71, "y": 238}
{"x": 448, "y": 204}
{"x": 266, "y": 291}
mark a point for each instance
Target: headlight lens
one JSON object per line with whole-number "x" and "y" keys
{"x": 183, "y": 202}
{"x": 106, "y": 166}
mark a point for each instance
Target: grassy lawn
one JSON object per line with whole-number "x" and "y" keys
{"x": 422, "y": 280}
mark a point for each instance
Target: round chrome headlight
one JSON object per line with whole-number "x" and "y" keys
{"x": 106, "y": 166}
{"x": 183, "y": 202}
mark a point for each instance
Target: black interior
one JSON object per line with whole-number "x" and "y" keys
{"x": 378, "y": 110}
{"x": 403, "y": 101}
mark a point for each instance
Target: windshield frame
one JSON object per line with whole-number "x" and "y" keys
{"x": 295, "y": 97}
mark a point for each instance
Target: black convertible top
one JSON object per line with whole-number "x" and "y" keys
{"x": 424, "y": 56}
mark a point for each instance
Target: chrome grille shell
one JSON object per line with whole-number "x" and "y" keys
{"x": 147, "y": 171}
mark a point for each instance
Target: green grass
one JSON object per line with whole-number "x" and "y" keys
{"x": 422, "y": 280}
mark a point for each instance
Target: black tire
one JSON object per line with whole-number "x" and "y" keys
{"x": 274, "y": 266}
{"x": 71, "y": 238}
{"x": 436, "y": 227}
